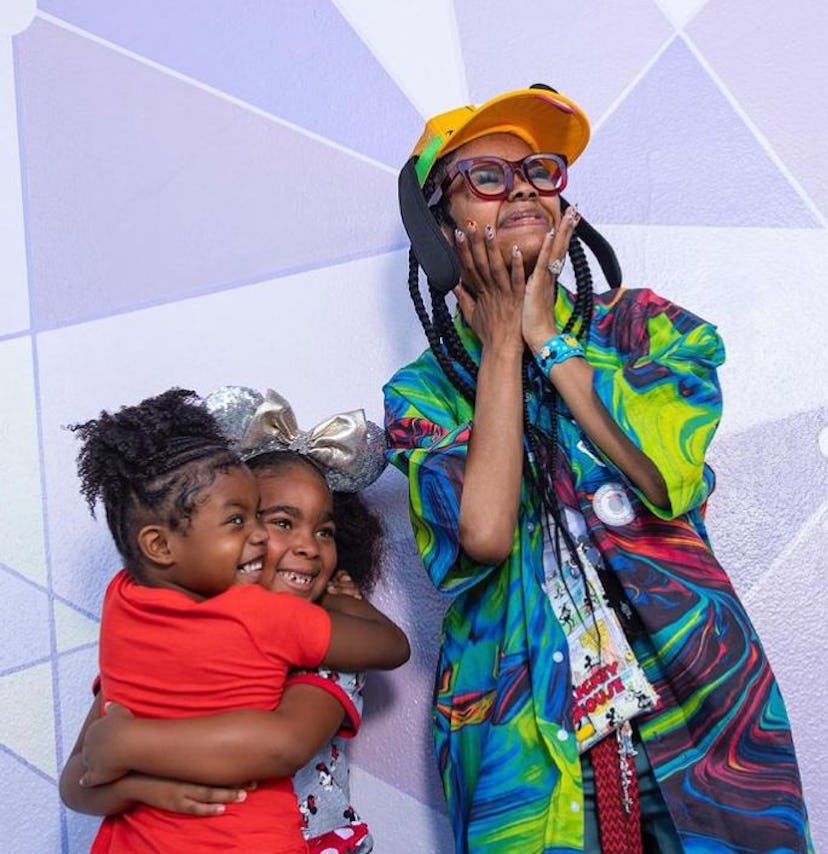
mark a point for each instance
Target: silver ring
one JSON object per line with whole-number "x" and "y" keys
{"x": 556, "y": 266}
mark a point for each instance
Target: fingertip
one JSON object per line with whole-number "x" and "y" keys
{"x": 218, "y": 809}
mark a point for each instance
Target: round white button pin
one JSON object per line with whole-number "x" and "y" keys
{"x": 612, "y": 506}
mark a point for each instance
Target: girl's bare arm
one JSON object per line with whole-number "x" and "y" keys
{"x": 123, "y": 793}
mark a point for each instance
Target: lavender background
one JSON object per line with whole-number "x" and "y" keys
{"x": 195, "y": 192}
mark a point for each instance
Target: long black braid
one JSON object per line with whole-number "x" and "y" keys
{"x": 150, "y": 462}
{"x": 540, "y": 448}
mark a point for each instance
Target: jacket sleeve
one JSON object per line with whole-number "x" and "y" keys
{"x": 664, "y": 393}
{"x": 428, "y": 434}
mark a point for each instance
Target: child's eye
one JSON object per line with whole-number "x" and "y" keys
{"x": 282, "y": 523}
{"x": 327, "y": 533}
{"x": 236, "y": 520}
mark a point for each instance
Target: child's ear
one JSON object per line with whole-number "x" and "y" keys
{"x": 154, "y": 543}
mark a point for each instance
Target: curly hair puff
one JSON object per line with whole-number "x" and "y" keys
{"x": 150, "y": 462}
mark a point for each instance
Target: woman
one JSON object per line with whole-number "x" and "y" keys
{"x": 600, "y": 686}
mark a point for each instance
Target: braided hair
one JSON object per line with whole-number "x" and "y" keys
{"x": 359, "y": 532}
{"x": 150, "y": 462}
{"x": 539, "y": 447}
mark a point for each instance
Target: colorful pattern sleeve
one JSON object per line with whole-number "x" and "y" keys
{"x": 655, "y": 371}
{"x": 429, "y": 431}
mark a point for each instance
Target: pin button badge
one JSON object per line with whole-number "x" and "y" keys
{"x": 612, "y": 506}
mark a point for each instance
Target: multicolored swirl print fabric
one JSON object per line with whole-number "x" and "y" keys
{"x": 720, "y": 741}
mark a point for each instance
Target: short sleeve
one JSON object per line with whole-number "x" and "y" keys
{"x": 345, "y": 688}
{"x": 285, "y": 626}
{"x": 659, "y": 383}
{"x": 428, "y": 430}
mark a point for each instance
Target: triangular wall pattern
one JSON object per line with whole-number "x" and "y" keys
{"x": 186, "y": 185}
{"x": 676, "y": 153}
{"x": 302, "y": 60}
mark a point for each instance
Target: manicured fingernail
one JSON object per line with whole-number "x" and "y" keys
{"x": 459, "y": 236}
{"x": 241, "y": 796}
{"x": 489, "y": 232}
{"x": 219, "y": 809}
{"x": 551, "y": 232}
{"x": 515, "y": 250}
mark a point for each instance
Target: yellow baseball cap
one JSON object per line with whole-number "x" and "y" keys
{"x": 542, "y": 118}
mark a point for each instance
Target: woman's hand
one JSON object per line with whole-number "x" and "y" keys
{"x": 538, "y": 324}
{"x": 490, "y": 295}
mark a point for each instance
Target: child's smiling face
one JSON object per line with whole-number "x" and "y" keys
{"x": 297, "y": 510}
{"x": 223, "y": 539}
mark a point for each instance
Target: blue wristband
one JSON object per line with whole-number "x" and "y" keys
{"x": 558, "y": 349}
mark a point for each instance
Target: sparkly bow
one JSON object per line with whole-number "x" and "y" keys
{"x": 349, "y": 449}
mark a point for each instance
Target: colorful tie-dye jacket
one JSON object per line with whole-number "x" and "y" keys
{"x": 720, "y": 742}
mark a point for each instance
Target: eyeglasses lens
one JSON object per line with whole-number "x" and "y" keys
{"x": 489, "y": 177}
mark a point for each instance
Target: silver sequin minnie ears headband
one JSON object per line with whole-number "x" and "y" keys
{"x": 349, "y": 449}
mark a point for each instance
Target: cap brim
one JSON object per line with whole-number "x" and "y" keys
{"x": 545, "y": 120}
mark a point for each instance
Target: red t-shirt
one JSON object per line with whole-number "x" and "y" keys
{"x": 165, "y": 655}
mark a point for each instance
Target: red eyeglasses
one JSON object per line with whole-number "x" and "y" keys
{"x": 493, "y": 177}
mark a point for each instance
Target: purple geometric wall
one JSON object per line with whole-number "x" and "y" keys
{"x": 196, "y": 193}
